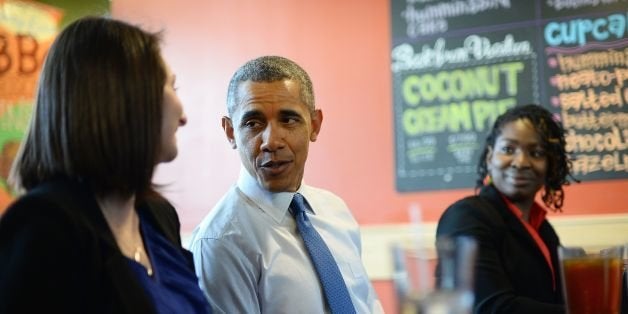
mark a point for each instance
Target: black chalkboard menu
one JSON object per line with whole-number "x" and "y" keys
{"x": 458, "y": 64}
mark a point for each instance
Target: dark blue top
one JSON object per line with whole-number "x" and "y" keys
{"x": 173, "y": 288}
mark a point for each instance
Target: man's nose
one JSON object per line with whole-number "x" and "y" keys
{"x": 273, "y": 137}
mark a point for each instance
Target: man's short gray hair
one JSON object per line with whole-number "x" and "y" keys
{"x": 270, "y": 69}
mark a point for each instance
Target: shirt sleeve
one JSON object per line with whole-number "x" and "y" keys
{"x": 226, "y": 276}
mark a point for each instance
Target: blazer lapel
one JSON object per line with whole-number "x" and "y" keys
{"x": 160, "y": 214}
{"x": 512, "y": 222}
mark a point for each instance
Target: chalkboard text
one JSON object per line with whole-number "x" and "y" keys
{"x": 578, "y": 31}
{"x": 474, "y": 48}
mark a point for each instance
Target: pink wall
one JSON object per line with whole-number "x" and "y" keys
{"x": 344, "y": 45}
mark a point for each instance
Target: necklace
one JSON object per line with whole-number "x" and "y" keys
{"x": 124, "y": 223}
{"x": 137, "y": 256}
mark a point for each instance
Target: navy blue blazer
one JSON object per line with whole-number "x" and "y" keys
{"x": 511, "y": 273}
{"x": 58, "y": 255}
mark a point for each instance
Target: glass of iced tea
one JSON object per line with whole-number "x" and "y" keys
{"x": 591, "y": 282}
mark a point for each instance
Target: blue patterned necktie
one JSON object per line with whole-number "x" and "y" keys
{"x": 329, "y": 275}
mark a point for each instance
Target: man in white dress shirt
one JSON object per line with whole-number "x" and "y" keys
{"x": 248, "y": 254}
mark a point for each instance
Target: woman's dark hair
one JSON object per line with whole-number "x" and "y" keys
{"x": 553, "y": 136}
{"x": 98, "y": 112}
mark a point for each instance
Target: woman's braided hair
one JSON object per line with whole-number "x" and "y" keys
{"x": 553, "y": 136}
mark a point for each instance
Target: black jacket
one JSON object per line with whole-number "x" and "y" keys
{"x": 58, "y": 255}
{"x": 511, "y": 273}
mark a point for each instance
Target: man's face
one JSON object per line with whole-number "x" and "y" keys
{"x": 272, "y": 128}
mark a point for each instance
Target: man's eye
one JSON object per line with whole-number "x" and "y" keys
{"x": 289, "y": 118}
{"x": 251, "y": 124}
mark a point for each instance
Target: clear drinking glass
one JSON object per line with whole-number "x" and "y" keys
{"x": 450, "y": 291}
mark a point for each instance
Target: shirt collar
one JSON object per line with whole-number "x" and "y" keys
{"x": 275, "y": 204}
{"x": 537, "y": 212}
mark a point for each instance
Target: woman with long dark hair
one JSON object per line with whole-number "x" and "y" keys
{"x": 90, "y": 234}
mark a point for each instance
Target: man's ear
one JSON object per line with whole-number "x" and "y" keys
{"x": 227, "y": 126}
{"x": 317, "y": 121}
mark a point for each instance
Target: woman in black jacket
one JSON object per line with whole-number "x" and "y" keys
{"x": 517, "y": 268}
{"x": 91, "y": 235}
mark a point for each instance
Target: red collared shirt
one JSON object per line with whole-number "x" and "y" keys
{"x": 535, "y": 219}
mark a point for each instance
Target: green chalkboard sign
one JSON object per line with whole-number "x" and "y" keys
{"x": 457, "y": 65}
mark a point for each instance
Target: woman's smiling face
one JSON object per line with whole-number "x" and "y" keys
{"x": 517, "y": 162}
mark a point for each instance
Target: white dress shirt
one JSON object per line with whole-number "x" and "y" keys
{"x": 250, "y": 257}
